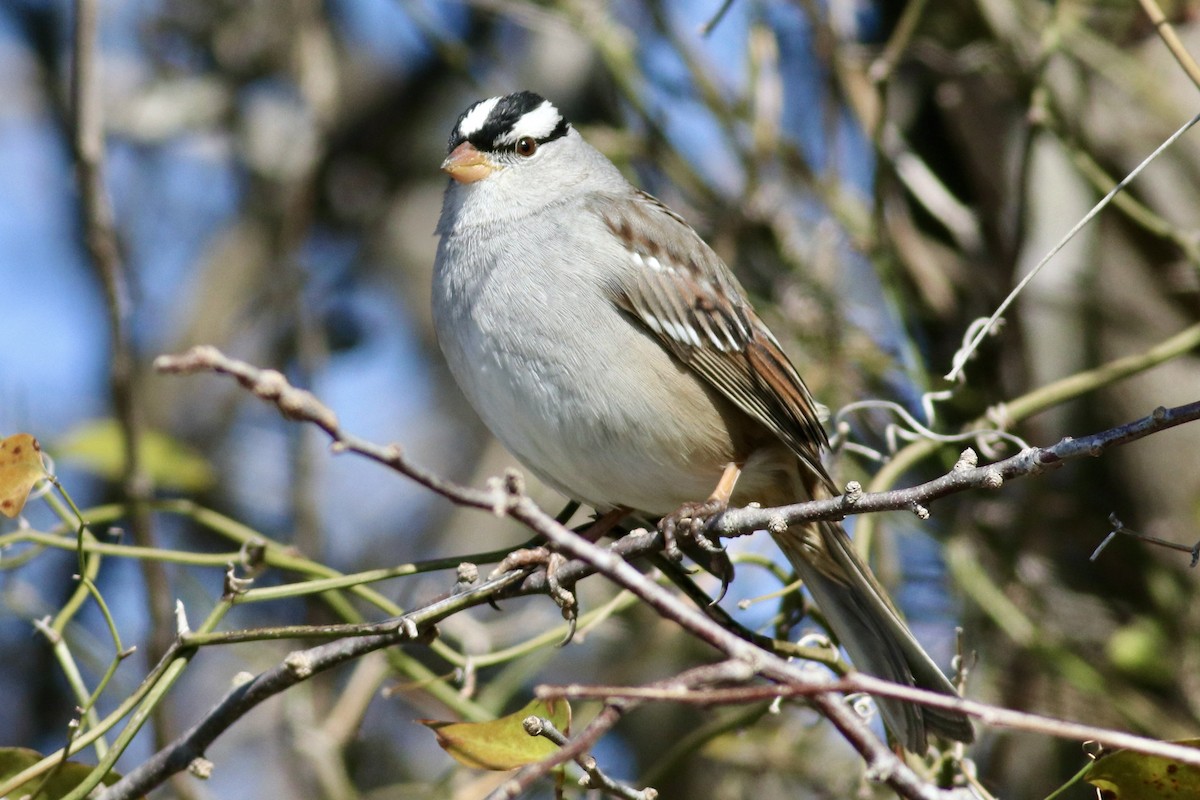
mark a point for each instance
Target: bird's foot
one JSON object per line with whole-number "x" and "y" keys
{"x": 532, "y": 558}
{"x": 687, "y": 524}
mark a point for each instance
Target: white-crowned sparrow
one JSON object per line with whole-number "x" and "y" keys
{"x": 616, "y": 356}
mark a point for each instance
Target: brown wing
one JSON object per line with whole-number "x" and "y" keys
{"x": 687, "y": 297}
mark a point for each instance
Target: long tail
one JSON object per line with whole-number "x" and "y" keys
{"x": 869, "y": 627}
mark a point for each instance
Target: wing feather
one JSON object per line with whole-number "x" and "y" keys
{"x": 687, "y": 297}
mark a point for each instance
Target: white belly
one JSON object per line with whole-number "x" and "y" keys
{"x": 583, "y": 411}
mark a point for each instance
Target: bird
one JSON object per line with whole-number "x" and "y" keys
{"x": 616, "y": 356}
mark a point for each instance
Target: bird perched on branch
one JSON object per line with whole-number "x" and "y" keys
{"x": 617, "y": 357}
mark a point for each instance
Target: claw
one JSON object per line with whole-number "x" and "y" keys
{"x": 726, "y": 579}
{"x": 690, "y": 536}
{"x": 688, "y": 523}
{"x": 533, "y": 557}
{"x": 697, "y": 514}
{"x": 667, "y": 525}
{"x": 571, "y": 621}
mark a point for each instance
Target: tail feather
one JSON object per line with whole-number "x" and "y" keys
{"x": 869, "y": 627}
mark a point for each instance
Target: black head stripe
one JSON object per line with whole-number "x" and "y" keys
{"x": 499, "y": 129}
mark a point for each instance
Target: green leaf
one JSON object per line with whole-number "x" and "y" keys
{"x": 98, "y": 447}
{"x": 65, "y": 778}
{"x": 502, "y": 743}
{"x": 1125, "y": 775}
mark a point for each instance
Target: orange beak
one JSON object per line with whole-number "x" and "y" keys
{"x": 466, "y": 164}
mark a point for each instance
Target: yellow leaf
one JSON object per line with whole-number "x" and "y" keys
{"x": 20, "y": 468}
{"x": 502, "y": 743}
{"x": 98, "y": 446}
{"x": 1126, "y": 775}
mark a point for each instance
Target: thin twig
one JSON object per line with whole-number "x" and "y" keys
{"x": 1167, "y": 32}
{"x": 681, "y": 691}
{"x": 302, "y": 405}
{"x": 595, "y": 778}
{"x": 100, "y": 238}
{"x": 1119, "y": 528}
{"x": 881, "y": 69}
{"x": 298, "y": 666}
{"x": 1031, "y": 461}
{"x": 609, "y": 716}
{"x": 964, "y": 353}
{"x": 709, "y": 26}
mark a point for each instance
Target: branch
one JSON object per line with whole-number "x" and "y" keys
{"x": 681, "y": 690}
{"x": 977, "y": 332}
{"x": 965, "y": 475}
{"x": 299, "y": 665}
{"x": 507, "y": 498}
{"x": 100, "y": 237}
{"x": 881, "y": 762}
{"x": 1171, "y": 40}
{"x": 595, "y": 778}
{"x": 302, "y": 405}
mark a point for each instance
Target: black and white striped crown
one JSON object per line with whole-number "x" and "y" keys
{"x": 498, "y": 123}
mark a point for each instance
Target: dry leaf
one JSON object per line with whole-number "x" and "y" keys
{"x": 20, "y": 468}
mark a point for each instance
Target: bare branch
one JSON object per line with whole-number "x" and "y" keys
{"x": 1119, "y": 528}
{"x": 100, "y": 238}
{"x": 301, "y": 405}
{"x": 298, "y": 666}
{"x": 1171, "y": 40}
{"x": 506, "y": 497}
{"x": 596, "y": 778}
{"x": 680, "y": 690}
{"x": 1032, "y": 461}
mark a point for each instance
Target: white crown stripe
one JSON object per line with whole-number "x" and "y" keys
{"x": 538, "y": 123}
{"x": 477, "y": 117}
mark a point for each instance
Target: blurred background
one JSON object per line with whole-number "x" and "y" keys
{"x": 879, "y": 174}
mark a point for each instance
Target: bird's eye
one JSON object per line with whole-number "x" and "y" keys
{"x": 526, "y": 146}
